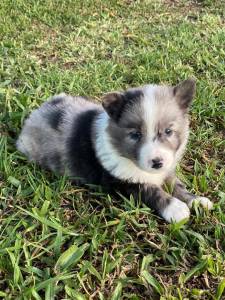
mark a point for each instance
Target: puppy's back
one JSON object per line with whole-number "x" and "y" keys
{"x": 43, "y": 137}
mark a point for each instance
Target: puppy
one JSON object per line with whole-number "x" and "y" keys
{"x": 131, "y": 144}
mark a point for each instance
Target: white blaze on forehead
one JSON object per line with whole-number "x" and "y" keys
{"x": 150, "y": 109}
{"x": 158, "y": 105}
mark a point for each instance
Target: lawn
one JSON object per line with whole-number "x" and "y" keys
{"x": 59, "y": 241}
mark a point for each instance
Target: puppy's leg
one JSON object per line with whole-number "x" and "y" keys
{"x": 170, "y": 208}
{"x": 180, "y": 191}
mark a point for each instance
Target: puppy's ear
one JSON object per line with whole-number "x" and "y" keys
{"x": 113, "y": 104}
{"x": 184, "y": 93}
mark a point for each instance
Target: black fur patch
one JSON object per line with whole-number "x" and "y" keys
{"x": 55, "y": 118}
{"x": 133, "y": 95}
{"x": 81, "y": 153}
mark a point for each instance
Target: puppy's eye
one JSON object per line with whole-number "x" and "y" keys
{"x": 135, "y": 135}
{"x": 168, "y": 131}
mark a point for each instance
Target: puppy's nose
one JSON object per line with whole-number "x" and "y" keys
{"x": 157, "y": 163}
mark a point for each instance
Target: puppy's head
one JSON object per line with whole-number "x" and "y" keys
{"x": 149, "y": 125}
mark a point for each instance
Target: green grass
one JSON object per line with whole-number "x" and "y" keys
{"x": 58, "y": 241}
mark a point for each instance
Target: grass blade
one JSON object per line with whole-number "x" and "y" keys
{"x": 117, "y": 292}
{"x": 70, "y": 257}
{"x": 152, "y": 281}
{"x": 198, "y": 268}
{"x": 220, "y": 289}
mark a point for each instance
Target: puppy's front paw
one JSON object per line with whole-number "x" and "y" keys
{"x": 176, "y": 211}
{"x": 203, "y": 201}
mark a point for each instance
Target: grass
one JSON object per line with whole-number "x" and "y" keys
{"x": 59, "y": 241}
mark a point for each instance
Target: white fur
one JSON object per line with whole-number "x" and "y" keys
{"x": 203, "y": 201}
{"x": 150, "y": 109}
{"x": 176, "y": 211}
{"x": 121, "y": 167}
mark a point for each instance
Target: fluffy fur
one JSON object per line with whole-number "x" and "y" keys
{"x": 130, "y": 144}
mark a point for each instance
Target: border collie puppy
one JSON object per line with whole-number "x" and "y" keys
{"x": 131, "y": 144}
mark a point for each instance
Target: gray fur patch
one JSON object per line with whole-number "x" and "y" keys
{"x": 120, "y": 132}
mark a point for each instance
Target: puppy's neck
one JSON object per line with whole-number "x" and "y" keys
{"x": 117, "y": 165}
